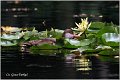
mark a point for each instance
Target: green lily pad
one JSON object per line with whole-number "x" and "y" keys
{"x": 70, "y": 46}
{"x": 97, "y": 25}
{"x": 111, "y": 39}
{"x": 45, "y": 46}
{"x": 31, "y": 35}
{"x": 83, "y": 42}
{"x": 44, "y": 52}
{"x": 56, "y": 33}
{"x": 109, "y": 52}
{"x": 11, "y": 37}
{"x": 92, "y": 31}
{"x": 8, "y": 43}
{"x": 106, "y": 29}
{"x": 88, "y": 49}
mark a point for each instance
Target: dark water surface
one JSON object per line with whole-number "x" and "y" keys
{"x": 24, "y": 66}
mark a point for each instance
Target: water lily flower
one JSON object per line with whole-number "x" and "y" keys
{"x": 84, "y": 25}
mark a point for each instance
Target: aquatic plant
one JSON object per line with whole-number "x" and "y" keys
{"x": 100, "y": 37}
{"x": 83, "y": 26}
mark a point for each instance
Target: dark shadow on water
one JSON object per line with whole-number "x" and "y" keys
{"x": 26, "y": 66}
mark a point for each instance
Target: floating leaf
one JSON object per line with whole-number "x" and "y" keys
{"x": 45, "y": 46}
{"x": 92, "y": 31}
{"x": 111, "y": 39}
{"x": 8, "y": 43}
{"x": 11, "y": 37}
{"x": 109, "y": 52}
{"x": 56, "y": 33}
{"x": 106, "y": 29}
{"x": 68, "y": 45}
{"x": 97, "y": 25}
{"x": 44, "y": 52}
{"x": 103, "y": 47}
{"x": 85, "y": 42}
{"x": 88, "y": 49}
{"x": 72, "y": 43}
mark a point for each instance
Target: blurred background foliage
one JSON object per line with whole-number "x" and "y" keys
{"x": 57, "y": 14}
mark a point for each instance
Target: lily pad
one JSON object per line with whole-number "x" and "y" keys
{"x": 92, "y": 31}
{"x": 56, "y": 33}
{"x": 70, "y": 46}
{"x": 111, "y": 39}
{"x": 7, "y": 43}
{"x": 109, "y": 52}
{"x": 88, "y": 49}
{"x": 45, "y": 46}
{"x": 72, "y": 43}
{"x": 106, "y": 29}
{"x": 97, "y": 25}
{"x": 11, "y": 37}
{"x": 44, "y": 52}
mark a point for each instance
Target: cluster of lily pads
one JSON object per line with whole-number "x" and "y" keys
{"x": 95, "y": 37}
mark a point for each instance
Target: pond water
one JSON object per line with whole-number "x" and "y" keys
{"x": 25, "y": 66}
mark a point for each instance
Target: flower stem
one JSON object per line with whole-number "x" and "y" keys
{"x": 85, "y": 34}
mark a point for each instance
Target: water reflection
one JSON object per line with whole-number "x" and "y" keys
{"x": 82, "y": 63}
{"x": 56, "y": 67}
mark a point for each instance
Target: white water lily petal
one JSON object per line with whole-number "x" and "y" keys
{"x": 89, "y": 25}
{"x": 79, "y": 27}
{"x": 84, "y": 25}
{"x": 80, "y": 33}
{"x": 77, "y": 24}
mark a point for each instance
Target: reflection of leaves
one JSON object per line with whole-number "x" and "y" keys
{"x": 111, "y": 39}
{"x": 108, "y": 59}
{"x": 10, "y": 48}
{"x": 60, "y": 52}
